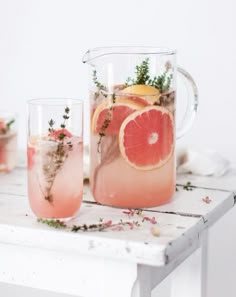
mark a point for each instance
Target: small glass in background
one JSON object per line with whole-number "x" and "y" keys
{"x": 55, "y": 157}
{"x": 8, "y": 141}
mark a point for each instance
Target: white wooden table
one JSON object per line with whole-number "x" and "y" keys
{"x": 127, "y": 263}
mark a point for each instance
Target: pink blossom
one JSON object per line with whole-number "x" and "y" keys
{"x": 131, "y": 225}
{"x": 129, "y": 212}
{"x": 207, "y": 200}
{"x": 118, "y": 228}
{"x": 151, "y": 220}
{"x": 108, "y": 223}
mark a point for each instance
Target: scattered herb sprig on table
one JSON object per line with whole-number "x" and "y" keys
{"x": 104, "y": 225}
{"x": 5, "y": 129}
{"x": 58, "y": 224}
{"x": 188, "y": 186}
{"x": 56, "y": 157}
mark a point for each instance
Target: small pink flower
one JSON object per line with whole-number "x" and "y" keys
{"x": 126, "y": 212}
{"x": 131, "y": 225}
{"x": 130, "y": 212}
{"x": 118, "y": 228}
{"x": 151, "y": 220}
{"x": 207, "y": 200}
{"x": 108, "y": 223}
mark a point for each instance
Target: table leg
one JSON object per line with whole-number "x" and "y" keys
{"x": 142, "y": 286}
{"x": 190, "y": 278}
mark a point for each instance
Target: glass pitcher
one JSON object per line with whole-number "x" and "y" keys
{"x": 133, "y": 104}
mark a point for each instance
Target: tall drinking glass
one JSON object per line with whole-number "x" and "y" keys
{"x": 55, "y": 157}
{"x": 8, "y": 141}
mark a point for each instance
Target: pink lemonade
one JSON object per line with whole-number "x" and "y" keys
{"x": 114, "y": 182}
{"x": 132, "y": 158}
{"x": 55, "y": 176}
{"x": 8, "y": 147}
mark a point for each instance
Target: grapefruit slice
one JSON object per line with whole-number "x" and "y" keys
{"x": 146, "y": 138}
{"x": 55, "y": 134}
{"x": 146, "y": 92}
{"x": 111, "y": 116}
{"x": 133, "y": 99}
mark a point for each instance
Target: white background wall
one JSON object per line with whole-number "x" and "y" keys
{"x": 42, "y": 42}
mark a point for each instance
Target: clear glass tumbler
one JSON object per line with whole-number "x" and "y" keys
{"x": 55, "y": 157}
{"x": 8, "y": 141}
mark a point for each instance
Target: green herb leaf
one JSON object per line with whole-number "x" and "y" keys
{"x": 99, "y": 85}
{"x": 10, "y": 123}
{"x": 51, "y": 123}
{"x": 188, "y": 186}
{"x": 5, "y": 129}
{"x": 161, "y": 82}
{"x": 67, "y": 110}
{"x": 57, "y": 157}
{"x": 53, "y": 223}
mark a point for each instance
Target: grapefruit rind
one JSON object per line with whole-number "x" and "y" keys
{"x": 132, "y": 99}
{"x": 131, "y": 118}
{"x": 105, "y": 107}
{"x": 148, "y": 93}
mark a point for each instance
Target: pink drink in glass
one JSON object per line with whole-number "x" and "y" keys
{"x": 55, "y": 165}
{"x": 116, "y": 182}
{"x": 55, "y": 193}
{"x": 8, "y": 144}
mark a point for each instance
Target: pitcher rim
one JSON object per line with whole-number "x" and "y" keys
{"x": 127, "y": 50}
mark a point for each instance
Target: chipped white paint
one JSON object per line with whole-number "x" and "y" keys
{"x": 137, "y": 257}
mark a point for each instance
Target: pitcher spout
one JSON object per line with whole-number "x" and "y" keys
{"x": 92, "y": 55}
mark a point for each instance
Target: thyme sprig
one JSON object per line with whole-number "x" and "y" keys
{"x": 161, "y": 82}
{"x": 66, "y": 116}
{"x": 99, "y": 85}
{"x": 104, "y": 225}
{"x": 56, "y": 157}
{"x": 58, "y": 224}
{"x": 142, "y": 74}
{"x": 188, "y": 186}
{"x": 5, "y": 129}
{"x": 51, "y": 124}
{"x": 106, "y": 122}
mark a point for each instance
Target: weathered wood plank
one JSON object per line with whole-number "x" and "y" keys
{"x": 181, "y": 223}
{"x": 19, "y": 226}
{"x": 225, "y": 183}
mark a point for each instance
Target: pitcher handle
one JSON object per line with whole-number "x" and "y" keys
{"x": 192, "y": 105}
